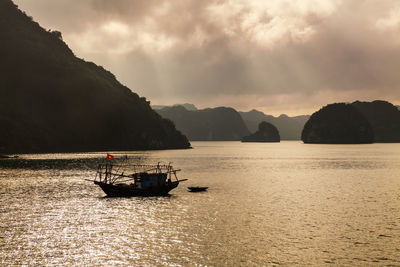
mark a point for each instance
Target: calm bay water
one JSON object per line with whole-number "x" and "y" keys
{"x": 267, "y": 204}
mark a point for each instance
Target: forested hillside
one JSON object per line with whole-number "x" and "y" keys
{"x": 52, "y": 101}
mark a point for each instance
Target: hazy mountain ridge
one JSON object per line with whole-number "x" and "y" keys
{"x": 289, "y": 127}
{"x": 211, "y": 124}
{"x": 186, "y": 106}
{"x": 51, "y": 101}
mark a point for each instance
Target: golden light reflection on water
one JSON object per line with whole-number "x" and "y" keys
{"x": 286, "y": 203}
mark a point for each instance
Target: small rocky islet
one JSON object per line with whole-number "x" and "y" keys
{"x": 338, "y": 123}
{"x": 353, "y": 123}
{"x": 266, "y": 133}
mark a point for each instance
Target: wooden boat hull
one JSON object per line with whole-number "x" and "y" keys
{"x": 124, "y": 190}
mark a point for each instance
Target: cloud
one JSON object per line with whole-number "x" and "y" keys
{"x": 237, "y": 53}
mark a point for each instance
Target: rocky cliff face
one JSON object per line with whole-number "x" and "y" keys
{"x": 338, "y": 123}
{"x": 212, "y": 124}
{"x": 52, "y": 101}
{"x": 266, "y": 133}
{"x": 384, "y": 118}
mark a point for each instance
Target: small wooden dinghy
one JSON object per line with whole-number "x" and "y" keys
{"x": 197, "y": 188}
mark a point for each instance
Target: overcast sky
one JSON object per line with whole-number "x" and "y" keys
{"x": 277, "y": 56}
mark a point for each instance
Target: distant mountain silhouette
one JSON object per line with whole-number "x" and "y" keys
{"x": 52, "y": 101}
{"x": 186, "y": 105}
{"x": 337, "y": 123}
{"x": 384, "y": 118}
{"x": 289, "y": 127}
{"x": 266, "y": 133}
{"x": 211, "y": 124}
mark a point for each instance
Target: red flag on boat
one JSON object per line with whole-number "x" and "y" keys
{"x": 110, "y": 156}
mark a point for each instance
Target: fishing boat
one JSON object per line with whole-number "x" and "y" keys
{"x": 145, "y": 180}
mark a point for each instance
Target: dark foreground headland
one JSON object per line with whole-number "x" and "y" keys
{"x": 52, "y": 101}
